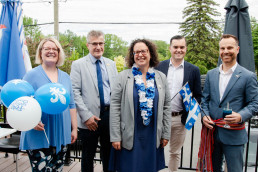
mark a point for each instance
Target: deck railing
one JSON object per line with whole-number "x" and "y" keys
{"x": 188, "y": 157}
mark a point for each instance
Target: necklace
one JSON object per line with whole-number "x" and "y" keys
{"x": 146, "y": 95}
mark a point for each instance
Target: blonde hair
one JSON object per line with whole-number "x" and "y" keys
{"x": 61, "y": 54}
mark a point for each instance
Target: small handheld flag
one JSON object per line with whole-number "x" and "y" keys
{"x": 191, "y": 106}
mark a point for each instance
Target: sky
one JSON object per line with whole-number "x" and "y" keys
{"x": 118, "y": 11}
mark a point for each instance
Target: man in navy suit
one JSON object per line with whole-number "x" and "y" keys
{"x": 233, "y": 84}
{"x": 179, "y": 72}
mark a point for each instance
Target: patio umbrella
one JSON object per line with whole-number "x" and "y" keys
{"x": 238, "y": 23}
{"x": 14, "y": 56}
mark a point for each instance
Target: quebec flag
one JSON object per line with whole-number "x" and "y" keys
{"x": 14, "y": 58}
{"x": 191, "y": 105}
{"x": 186, "y": 95}
{"x": 194, "y": 111}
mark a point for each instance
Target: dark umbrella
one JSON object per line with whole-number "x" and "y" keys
{"x": 238, "y": 23}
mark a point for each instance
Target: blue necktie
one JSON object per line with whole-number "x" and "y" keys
{"x": 100, "y": 86}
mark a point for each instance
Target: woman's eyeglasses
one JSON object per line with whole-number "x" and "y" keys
{"x": 137, "y": 53}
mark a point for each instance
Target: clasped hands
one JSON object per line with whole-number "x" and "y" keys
{"x": 232, "y": 118}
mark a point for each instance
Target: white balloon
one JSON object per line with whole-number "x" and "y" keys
{"x": 24, "y": 113}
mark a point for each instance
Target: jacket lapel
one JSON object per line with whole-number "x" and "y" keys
{"x": 235, "y": 76}
{"x": 109, "y": 71}
{"x": 216, "y": 84}
{"x": 130, "y": 90}
{"x": 159, "y": 86}
{"x": 92, "y": 71}
{"x": 186, "y": 73}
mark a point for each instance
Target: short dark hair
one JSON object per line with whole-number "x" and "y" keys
{"x": 154, "y": 60}
{"x": 177, "y": 37}
{"x": 225, "y": 36}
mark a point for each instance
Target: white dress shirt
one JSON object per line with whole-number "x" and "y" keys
{"x": 175, "y": 79}
{"x": 224, "y": 78}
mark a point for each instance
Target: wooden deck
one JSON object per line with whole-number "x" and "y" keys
{"x": 8, "y": 165}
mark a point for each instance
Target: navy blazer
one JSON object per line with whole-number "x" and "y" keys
{"x": 192, "y": 76}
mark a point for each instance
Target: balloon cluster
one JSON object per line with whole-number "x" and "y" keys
{"x": 24, "y": 112}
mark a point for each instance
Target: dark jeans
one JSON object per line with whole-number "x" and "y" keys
{"x": 46, "y": 159}
{"x": 90, "y": 142}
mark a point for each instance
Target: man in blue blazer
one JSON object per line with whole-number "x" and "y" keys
{"x": 179, "y": 72}
{"x": 233, "y": 84}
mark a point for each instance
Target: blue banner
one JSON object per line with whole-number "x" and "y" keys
{"x": 11, "y": 56}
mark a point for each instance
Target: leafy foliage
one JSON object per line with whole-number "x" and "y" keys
{"x": 162, "y": 48}
{"x": 120, "y": 63}
{"x": 33, "y": 36}
{"x": 254, "y": 28}
{"x": 201, "y": 32}
{"x": 114, "y": 46}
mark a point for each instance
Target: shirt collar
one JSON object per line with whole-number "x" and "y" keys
{"x": 181, "y": 65}
{"x": 231, "y": 70}
{"x": 93, "y": 59}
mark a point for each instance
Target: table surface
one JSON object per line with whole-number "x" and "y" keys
{"x": 6, "y": 131}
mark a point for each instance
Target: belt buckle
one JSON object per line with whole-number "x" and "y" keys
{"x": 176, "y": 113}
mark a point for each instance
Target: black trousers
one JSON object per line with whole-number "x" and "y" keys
{"x": 90, "y": 141}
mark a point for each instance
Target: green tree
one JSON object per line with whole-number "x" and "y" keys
{"x": 70, "y": 42}
{"x": 120, "y": 63}
{"x": 162, "y": 49}
{"x": 114, "y": 46}
{"x": 201, "y": 32}
{"x": 33, "y": 36}
{"x": 74, "y": 47}
{"x": 254, "y": 28}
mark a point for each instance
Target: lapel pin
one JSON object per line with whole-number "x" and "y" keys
{"x": 108, "y": 64}
{"x": 237, "y": 76}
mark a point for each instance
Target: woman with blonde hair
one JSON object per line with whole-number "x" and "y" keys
{"x": 44, "y": 155}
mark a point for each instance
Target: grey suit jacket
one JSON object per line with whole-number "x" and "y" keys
{"x": 85, "y": 87}
{"x": 122, "y": 109}
{"x": 242, "y": 95}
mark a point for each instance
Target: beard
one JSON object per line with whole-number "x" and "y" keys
{"x": 228, "y": 58}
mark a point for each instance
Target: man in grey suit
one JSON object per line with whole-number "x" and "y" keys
{"x": 233, "y": 84}
{"x": 92, "y": 80}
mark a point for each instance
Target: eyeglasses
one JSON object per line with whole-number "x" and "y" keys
{"x": 137, "y": 53}
{"x": 97, "y": 43}
{"x": 49, "y": 49}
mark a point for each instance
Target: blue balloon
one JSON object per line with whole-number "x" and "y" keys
{"x": 15, "y": 89}
{"x": 53, "y": 98}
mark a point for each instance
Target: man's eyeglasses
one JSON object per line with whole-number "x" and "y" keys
{"x": 137, "y": 53}
{"x": 97, "y": 43}
{"x": 49, "y": 49}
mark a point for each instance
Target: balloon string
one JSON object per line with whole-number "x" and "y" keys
{"x": 46, "y": 135}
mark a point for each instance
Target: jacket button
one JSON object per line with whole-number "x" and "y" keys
{"x": 219, "y": 106}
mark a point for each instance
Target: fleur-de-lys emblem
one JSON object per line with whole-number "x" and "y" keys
{"x": 18, "y": 105}
{"x": 58, "y": 95}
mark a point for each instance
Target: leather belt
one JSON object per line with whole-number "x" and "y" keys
{"x": 176, "y": 113}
